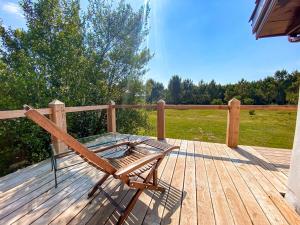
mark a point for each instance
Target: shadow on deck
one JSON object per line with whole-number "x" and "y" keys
{"x": 206, "y": 183}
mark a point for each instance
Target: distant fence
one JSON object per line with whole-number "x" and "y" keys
{"x": 57, "y": 113}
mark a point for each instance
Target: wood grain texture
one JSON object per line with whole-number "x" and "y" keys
{"x": 206, "y": 183}
{"x": 233, "y": 123}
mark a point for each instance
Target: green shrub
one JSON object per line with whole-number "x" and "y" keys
{"x": 251, "y": 112}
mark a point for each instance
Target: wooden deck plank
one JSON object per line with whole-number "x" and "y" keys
{"x": 221, "y": 208}
{"x": 252, "y": 177}
{"x": 140, "y": 209}
{"x": 188, "y": 214}
{"x": 43, "y": 208}
{"x": 280, "y": 158}
{"x": 104, "y": 213}
{"x": 253, "y": 208}
{"x": 132, "y": 217}
{"x": 27, "y": 203}
{"x": 276, "y": 177}
{"x": 142, "y": 204}
{"x": 274, "y": 195}
{"x": 239, "y": 212}
{"x": 157, "y": 205}
{"x": 114, "y": 188}
{"x": 22, "y": 190}
{"x": 100, "y": 208}
{"x": 171, "y": 215}
{"x": 204, "y": 201}
{"x": 207, "y": 183}
{"x": 68, "y": 200}
{"x": 29, "y": 176}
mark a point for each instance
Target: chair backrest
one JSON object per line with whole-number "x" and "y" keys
{"x": 75, "y": 145}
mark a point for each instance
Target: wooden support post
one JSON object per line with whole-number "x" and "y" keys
{"x": 111, "y": 118}
{"x": 233, "y": 123}
{"x": 161, "y": 120}
{"x": 58, "y": 116}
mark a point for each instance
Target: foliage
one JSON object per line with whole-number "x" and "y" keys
{"x": 154, "y": 91}
{"x": 217, "y": 102}
{"x": 174, "y": 90}
{"x": 80, "y": 60}
{"x": 252, "y": 112}
{"x": 281, "y": 88}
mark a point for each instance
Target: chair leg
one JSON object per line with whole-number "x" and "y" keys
{"x": 155, "y": 177}
{"x": 132, "y": 202}
{"x": 99, "y": 183}
{"x": 129, "y": 207}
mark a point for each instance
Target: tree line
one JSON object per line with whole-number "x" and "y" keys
{"x": 80, "y": 57}
{"x": 280, "y": 88}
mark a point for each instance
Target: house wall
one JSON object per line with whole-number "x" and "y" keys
{"x": 293, "y": 185}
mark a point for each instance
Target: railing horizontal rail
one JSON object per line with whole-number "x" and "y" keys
{"x": 11, "y": 114}
{"x": 269, "y": 107}
{"x": 135, "y": 106}
{"x": 222, "y": 107}
{"x": 58, "y": 111}
{"x": 86, "y": 108}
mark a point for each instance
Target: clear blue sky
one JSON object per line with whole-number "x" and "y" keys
{"x": 200, "y": 39}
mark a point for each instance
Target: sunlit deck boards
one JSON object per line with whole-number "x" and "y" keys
{"x": 280, "y": 158}
{"x": 206, "y": 183}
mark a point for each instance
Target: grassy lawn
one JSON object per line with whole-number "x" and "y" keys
{"x": 265, "y": 128}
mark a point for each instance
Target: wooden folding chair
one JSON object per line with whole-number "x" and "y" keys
{"x": 135, "y": 161}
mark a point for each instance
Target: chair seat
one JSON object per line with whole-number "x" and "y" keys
{"x": 129, "y": 157}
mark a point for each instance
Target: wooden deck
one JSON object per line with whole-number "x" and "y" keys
{"x": 213, "y": 185}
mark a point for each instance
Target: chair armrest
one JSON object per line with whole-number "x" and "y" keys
{"x": 137, "y": 164}
{"x": 170, "y": 149}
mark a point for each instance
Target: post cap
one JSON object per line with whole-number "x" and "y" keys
{"x": 111, "y": 102}
{"x": 26, "y": 107}
{"x": 161, "y": 102}
{"x": 234, "y": 101}
{"x": 56, "y": 102}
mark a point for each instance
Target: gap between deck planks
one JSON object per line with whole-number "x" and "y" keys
{"x": 206, "y": 183}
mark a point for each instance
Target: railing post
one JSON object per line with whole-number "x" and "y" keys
{"x": 58, "y": 116}
{"x": 111, "y": 117}
{"x": 233, "y": 123}
{"x": 161, "y": 135}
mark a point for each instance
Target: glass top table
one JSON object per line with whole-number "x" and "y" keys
{"x": 92, "y": 143}
{"x": 96, "y": 141}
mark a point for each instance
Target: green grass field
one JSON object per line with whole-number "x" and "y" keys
{"x": 265, "y": 128}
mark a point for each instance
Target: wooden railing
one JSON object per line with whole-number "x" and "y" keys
{"x": 57, "y": 113}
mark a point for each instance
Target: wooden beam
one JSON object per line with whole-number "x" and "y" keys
{"x": 111, "y": 118}
{"x": 269, "y": 107}
{"x": 201, "y": 107}
{"x": 161, "y": 135}
{"x": 233, "y": 123}
{"x": 58, "y": 116}
{"x": 86, "y": 108}
{"x": 13, "y": 114}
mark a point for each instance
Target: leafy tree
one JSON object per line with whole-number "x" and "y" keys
{"x": 187, "y": 88}
{"x": 78, "y": 61}
{"x": 293, "y": 90}
{"x": 174, "y": 90}
{"x": 154, "y": 91}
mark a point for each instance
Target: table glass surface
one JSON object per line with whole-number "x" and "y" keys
{"x": 106, "y": 139}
